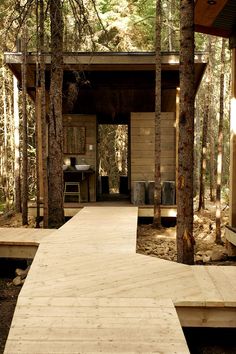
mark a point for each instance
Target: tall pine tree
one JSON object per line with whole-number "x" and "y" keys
{"x": 185, "y": 240}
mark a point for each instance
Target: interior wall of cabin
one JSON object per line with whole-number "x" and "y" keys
{"x": 90, "y": 151}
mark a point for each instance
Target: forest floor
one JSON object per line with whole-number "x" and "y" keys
{"x": 150, "y": 241}
{"x": 8, "y": 297}
{"x": 162, "y": 242}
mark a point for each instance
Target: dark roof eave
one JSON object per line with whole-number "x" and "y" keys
{"x": 212, "y": 31}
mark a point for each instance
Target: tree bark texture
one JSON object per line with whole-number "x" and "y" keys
{"x": 220, "y": 148}
{"x": 25, "y": 137}
{"x": 185, "y": 240}
{"x": 37, "y": 118}
{"x": 43, "y": 122}
{"x": 55, "y": 156}
{"x": 203, "y": 158}
{"x": 157, "y": 189}
{"x": 17, "y": 196}
{"x": 212, "y": 161}
{"x": 5, "y": 179}
{"x": 197, "y": 154}
{"x": 211, "y": 133}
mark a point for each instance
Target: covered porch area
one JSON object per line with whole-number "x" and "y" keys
{"x": 112, "y": 89}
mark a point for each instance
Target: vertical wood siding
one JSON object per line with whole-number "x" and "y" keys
{"x": 142, "y": 146}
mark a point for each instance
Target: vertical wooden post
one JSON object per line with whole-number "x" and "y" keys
{"x": 232, "y": 210}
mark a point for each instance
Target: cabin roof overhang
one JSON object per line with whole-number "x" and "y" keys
{"x": 108, "y": 61}
{"x": 105, "y": 62}
{"x": 215, "y": 17}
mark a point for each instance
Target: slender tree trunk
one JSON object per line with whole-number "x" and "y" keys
{"x": 212, "y": 161}
{"x": 220, "y": 148}
{"x": 25, "y": 136}
{"x": 11, "y": 144}
{"x": 157, "y": 189}
{"x": 55, "y": 202}
{"x": 5, "y": 145}
{"x": 37, "y": 115}
{"x": 43, "y": 121}
{"x": 211, "y": 135}
{"x": 170, "y": 29}
{"x": 185, "y": 240}
{"x": 203, "y": 160}
{"x": 197, "y": 150}
{"x": 17, "y": 146}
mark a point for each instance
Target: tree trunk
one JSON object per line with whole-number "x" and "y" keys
{"x": 38, "y": 116}
{"x": 220, "y": 147}
{"x": 5, "y": 145}
{"x": 25, "y": 137}
{"x": 55, "y": 200}
{"x": 212, "y": 162}
{"x": 185, "y": 240}
{"x": 197, "y": 150}
{"x": 203, "y": 159}
{"x": 17, "y": 146}
{"x": 211, "y": 135}
{"x": 170, "y": 29}
{"x": 43, "y": 121}
{"x": 157, "y": 189}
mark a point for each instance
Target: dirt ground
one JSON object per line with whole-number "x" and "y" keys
{"x": 8, "y": 298}
{"x": 162, "y": 243}
{"x": 152, "y": 242}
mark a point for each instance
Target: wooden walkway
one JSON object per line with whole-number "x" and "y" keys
{"x": 89, "y": 292}
{"x": 20, "y": 242}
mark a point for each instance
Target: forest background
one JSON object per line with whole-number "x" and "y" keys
{"x": 119, "y": 26}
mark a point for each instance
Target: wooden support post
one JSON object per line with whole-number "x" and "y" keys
{"x": 232, "y": 211}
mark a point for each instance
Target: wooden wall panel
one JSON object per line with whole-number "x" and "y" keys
{"x": 142, "y": 146}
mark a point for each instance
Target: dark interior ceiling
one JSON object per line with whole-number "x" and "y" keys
{"x": 114, "y": 94}
{"x": 114, "y": 84}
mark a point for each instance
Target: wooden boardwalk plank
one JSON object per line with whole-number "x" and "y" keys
{"x": 210, "y": 294}
{"x": 21, "y": 242}
{"x": 118, "y": 325}
{"x": 89, "y": 292}
{"x": 22, "y": 236}
{"x": 225, "y": 287}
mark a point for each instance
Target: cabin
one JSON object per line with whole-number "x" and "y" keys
{"x": 114, "y": 89}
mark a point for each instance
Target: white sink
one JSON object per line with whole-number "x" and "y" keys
{"x": 82, "y": 167}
